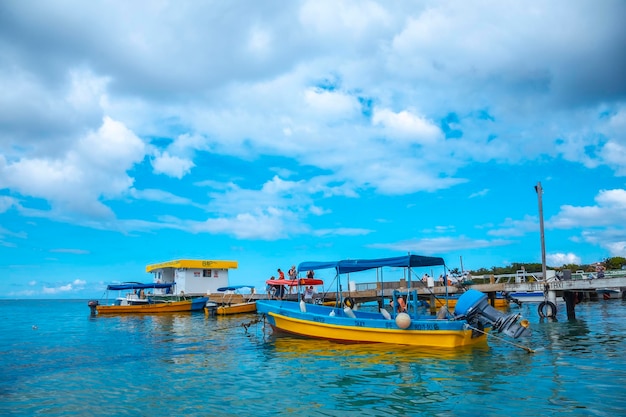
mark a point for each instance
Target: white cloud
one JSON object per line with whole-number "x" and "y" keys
{"x": 173, "y": 166}
{"x": 6, "y": 202}
{"x": 331, "y": 105}
{"x": 613, "y": 239}
{"x": 408, "y": 126}
{"x": 72, "y": 251}
{"x": 511, "y": 227}
{"x": 560, "y": 259}
{"x": 74, "y": 286}
{"x": 611, "y": 209}
{"x": 431, "y": 246}
{"x": 271, "y": 224}
{"x": 480, "y": 193}
{"x": 160, "y": 196}
{"x": 74, "y": 183}
{"x": 342, "y": 231}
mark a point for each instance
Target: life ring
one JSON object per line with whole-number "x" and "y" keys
{"x": 349, "y": 302}
{"x": 550, "y": 310}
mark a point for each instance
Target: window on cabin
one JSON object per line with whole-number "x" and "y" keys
{"x": 206, "y": 273}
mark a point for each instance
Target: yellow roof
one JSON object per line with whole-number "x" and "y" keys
{"x": 193, "y": 263}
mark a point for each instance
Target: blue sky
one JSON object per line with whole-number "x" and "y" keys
{"x": 273, "y": 133}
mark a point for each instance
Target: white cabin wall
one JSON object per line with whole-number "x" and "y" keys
{"x": 204, "y": 281}
{"x": 193, "y": 280}
{"x": 181, "y": 281}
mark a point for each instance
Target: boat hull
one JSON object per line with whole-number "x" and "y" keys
{"x": 238, "y": 308}
{"x": 194, "y": 304}
{"x": 365, "y": 327}
{"x": 529, "y": 296}
{"x": 609, "y": 293}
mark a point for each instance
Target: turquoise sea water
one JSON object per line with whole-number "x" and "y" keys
{"x": 56, "y": 360}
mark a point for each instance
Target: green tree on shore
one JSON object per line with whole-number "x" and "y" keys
{"x": 609, "y": 263}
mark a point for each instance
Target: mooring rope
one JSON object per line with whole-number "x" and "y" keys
{"x": 526, "y": 348}
{"x": 255, "y": 321}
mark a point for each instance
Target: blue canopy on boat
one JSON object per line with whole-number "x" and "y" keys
{"x": 138, "y": 286}
{"x": 312, "y": 266}
{"x": 234, "y": 287}
{"x": 355, "y": 265}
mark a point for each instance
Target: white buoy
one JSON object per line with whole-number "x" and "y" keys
{"x": 349, "y": 312}
{"x": 385, "y": 314}
{"x": 302, "y": 306}
{"x": 403, "y": 320}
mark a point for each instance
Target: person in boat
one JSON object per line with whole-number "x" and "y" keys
{"x": 400, "y": 305}
{"x": 142, "y": 294}
{"x": 310, "y": 274}
{"x": 281, "y": 274}
{"x": 293, "y": 274}
{"x": 270, "y": 289}
{"x": 309, "y": 293}
{"x": 280, "y": 292}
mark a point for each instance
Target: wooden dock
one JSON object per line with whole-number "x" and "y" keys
{"x": 372, "y": 291}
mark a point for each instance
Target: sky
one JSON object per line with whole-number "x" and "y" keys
{"x": 277, "y": 132}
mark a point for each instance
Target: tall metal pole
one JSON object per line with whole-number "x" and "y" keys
{"x": 539, "y": 191}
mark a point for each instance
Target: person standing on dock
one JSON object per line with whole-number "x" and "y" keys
{"x": 293, "y": 274}
{"x": 600, "y": 270}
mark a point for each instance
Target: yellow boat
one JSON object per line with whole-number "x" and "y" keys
{"x": 227, "y": 307}
{"x": 155, "y": 307}
{"x": 147, "y": 304}
{"x": 499, "y": 303}
{"x": 472, "y": 320}
{"x": 238, "y": 308}
{"x": 432, "y": 334}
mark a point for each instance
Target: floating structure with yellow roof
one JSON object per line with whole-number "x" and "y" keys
{"x": 193, "y": 276}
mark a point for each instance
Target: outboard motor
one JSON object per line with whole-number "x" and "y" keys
{"x": 474, "y": 306}
{"x": 92, "y": 306}
{"x": 210, "y": 308}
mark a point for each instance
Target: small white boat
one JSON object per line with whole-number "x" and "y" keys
{"x": 609, "y": 293}
{"x": 528, "y": 296}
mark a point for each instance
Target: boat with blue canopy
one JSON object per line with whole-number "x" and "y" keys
{"x": 472, "y": 320}
{"x": 226, "y": 306}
